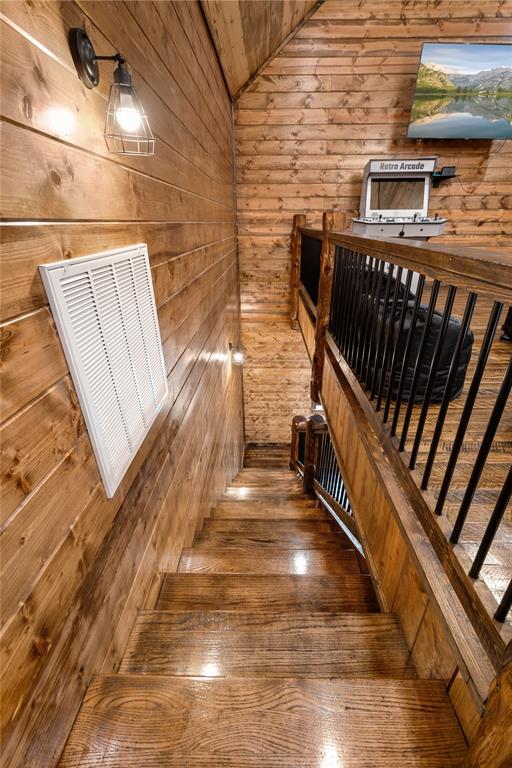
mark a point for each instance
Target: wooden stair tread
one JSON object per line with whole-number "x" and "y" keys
{"x": 327, "y": 560}
{"x": 247, "y": 493}
{"x": 269, "y": 540}
{"x": 285, "y": 534}
{"x": 273, "y": 503}
{"x": 142, "y": 721}
{"x": 243, "y": 526}
{"x": 240, "y": 511}
{"x": 231, "y": 645}
{"x": 248, "y": 592}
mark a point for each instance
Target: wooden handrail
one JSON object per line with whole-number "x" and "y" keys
{"x": 492, "y": 746}
{"x": 484, "y": 272}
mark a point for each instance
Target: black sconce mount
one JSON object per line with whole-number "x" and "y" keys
{"x": 446, "y": 172}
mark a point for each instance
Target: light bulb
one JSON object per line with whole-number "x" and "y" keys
{"x": 128, "y": 119}
{"x": 238, "y": 358}
{"x": 128, "y": 116}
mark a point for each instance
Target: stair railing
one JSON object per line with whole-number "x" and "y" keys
{"x": 376, "y": 314}
{"x": 314, "y": 458}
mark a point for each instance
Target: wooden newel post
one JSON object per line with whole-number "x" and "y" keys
{"x": 294, "y": 447}
{"x": 492, "y": 746}
{"x": 330, "y": 221}
{"x": 311, "y": 452}
{"x": 299, "y": 220}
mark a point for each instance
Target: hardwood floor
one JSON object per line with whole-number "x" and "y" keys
{"x": 266, "y": 649}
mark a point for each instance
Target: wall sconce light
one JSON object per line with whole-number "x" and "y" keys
{"x": 237, "y": 356}
{"x": 127, "y": 130}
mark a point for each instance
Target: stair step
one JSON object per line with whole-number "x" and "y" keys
{"x": 285, "y": 534}
{"x": 276, "y": 502}
{"x": 270, "y": 492}
{"x": 270, "y": 645}
{"x": 328, "y": 560}
{"x": 291, "y": 483}
{"x": 262, "y": 511}
{"x": 136, "y": 721}
{"x": 248, "y": 592}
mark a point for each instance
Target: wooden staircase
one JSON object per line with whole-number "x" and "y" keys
{"x": 266, "y": 649}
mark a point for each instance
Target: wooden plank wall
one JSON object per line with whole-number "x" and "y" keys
{"x": 247, "y": 32}
{"x": 338, "y": 94}
{"x": 75, "y": 566}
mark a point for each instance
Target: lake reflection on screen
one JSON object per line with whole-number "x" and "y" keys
{"x": 468, "y": 116}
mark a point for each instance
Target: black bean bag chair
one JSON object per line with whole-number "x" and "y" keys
{"x": 445, "y": 360}
{"x": 387, "y": 305}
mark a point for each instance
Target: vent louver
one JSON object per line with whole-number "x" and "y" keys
{"x": 105, "y": 312}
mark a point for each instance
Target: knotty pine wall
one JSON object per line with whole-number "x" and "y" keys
{"x": 338, "y": 94}
{"x": 75, "y": 566}
{"x": 247, "y": 32}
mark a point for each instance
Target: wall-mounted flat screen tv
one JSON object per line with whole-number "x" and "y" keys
{"x": 463, "y": 91}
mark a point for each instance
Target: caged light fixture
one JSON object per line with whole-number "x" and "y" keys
{"x": 127, "y": 130}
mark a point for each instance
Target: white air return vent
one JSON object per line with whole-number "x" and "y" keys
{"x": 104, "y": 308}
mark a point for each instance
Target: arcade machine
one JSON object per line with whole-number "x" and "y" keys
{"x": 395, "y": 198}
{"x": 394, "y": 203}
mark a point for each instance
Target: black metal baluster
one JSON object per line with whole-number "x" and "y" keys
{"x": 347, "y": 268}
{"x": 363, "y": 310}
{"x": 318, "y": 468}
{"x": 327, "y": 466}
{"x": 483, "y": 452}
{"x": 374, "y": 324}
{"x": 505, "y": 605}
{"x": 407, "y": 353}
{"x": 333, "y": 472}
{"x": 337, "y": 484}
{"x": 370, "y": 300}
{"x": 419, "y": 362}
{"x": 336, "y": 307}
{"x": 468, "y": 405}
{"x": 356, "y": 325}
{"x": 324, "y": 459}
{"x": 382, "y": 332}
{"x": 394, "y": 359}
{"x": 350, "y": 305}
{"x": 492, "y": 526}
{"x": 466, "y": 320}
{"x": 389, "y": 337}
{"x": 447, "y": 312}
{"x": 340, "y": 308}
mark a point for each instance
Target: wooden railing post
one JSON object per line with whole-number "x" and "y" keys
{"x": 492, "y": 746}
{"x": 297, "y": 421}
{"x": 330, "y": 220}
{"x": 311, "y": 452}
{"x": 299, "y": 220}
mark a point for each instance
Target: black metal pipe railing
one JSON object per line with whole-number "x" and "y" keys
{"x": 403, "y": 350}
{"x": 327, "y": 472}
{"x": 483, "y": 357}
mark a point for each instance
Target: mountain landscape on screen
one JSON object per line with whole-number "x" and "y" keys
{"x": 463, "y": 91}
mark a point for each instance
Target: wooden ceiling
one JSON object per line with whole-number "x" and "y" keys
{"x": 247, "y": 32}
